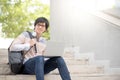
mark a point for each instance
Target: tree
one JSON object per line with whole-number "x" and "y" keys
{"x": 17, "y": 16}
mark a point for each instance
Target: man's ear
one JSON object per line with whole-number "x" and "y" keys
{"x": 34, "y": 27}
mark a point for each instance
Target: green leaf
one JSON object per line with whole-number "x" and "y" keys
{"x": 17, "y": 16}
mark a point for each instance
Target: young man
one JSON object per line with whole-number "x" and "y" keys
{"x": 34, "y": 62}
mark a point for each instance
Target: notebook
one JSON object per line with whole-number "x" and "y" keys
{"x": 54, "y": 48}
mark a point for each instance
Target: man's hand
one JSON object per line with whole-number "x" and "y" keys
{"x": 32, "y": 42}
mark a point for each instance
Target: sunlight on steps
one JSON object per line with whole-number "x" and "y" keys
{"x": 80, "y": 68}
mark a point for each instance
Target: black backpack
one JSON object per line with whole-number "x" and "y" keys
{"x": 15, "y": 59}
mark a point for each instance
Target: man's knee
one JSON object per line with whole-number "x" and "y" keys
{"x": 39, "y": 59}
{"x": 60, "y": 60}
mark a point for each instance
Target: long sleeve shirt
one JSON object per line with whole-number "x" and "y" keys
{"x": 21, "y": 43}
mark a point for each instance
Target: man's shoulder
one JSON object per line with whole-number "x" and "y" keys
{"x": 25, "y": 33}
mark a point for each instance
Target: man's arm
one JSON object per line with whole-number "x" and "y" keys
{"x": 22, "y": 42}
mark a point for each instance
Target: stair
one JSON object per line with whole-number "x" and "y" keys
{"x": 80, "y": 69}
{"x": 57, "y": 77}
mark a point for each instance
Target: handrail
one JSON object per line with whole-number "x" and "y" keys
{"x": 108, "y": 18}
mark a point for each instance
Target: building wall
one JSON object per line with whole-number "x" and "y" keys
{"x": 117, "y": 3}
{"x": 76, "y": 27}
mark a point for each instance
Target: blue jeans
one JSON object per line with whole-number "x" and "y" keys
{"x": 39, "y": 67}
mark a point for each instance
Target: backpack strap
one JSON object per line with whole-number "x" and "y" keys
{"x": 31, "y": 37}
{"x": 30, "y": 34}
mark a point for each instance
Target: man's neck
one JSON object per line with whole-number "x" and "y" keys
{"x": 37, "y": 37}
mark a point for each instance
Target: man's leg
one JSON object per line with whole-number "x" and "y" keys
{"x": 50, "y": 65}
{"x": 63, "y": 70}
{"x": 35, "y": 66}
{"x": 57, "y": 62}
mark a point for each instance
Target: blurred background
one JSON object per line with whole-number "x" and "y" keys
{"x": 91, "y": 25}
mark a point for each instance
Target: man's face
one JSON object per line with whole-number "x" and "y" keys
{"x": 40, "y": 28}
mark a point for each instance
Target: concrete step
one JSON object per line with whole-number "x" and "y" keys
{"x": 4, "y": 59}
{"x": 74, "y": 69}
{"x": 4, "y": 53}
{"x": 79, "y": 66}
{"x": 76, "y": 61}
{"x": 83, "y": 69}
{"x": 57, "y": 77}
{"x": 68, "y": 59}
{"x": 69, "y": 55}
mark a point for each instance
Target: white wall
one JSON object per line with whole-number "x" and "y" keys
{"x": 73, "y": 25}
{"x": 117, "y": 3}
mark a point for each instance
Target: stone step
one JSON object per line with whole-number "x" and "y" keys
{"x": 76, "y": 61}
{"x": 57, "y": 77}
{"x": 74, "y": 69}
{"x": 4, "y": 59}
{"x": 83, "y": 69}
{"x": 66, "y": 55}
{"x": 3, "y": 51}
{"x": 69, "y": 60}
{"x": 69, "y": 55}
